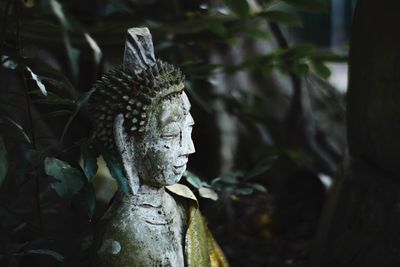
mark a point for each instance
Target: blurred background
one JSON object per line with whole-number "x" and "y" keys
{"x": 267, "y": 81}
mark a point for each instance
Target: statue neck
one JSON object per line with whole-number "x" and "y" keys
{"x": 149, "y": 195}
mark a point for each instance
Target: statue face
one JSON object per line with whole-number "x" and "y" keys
{"x": 161, "y": 156}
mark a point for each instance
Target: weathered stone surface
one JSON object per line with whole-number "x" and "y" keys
{"x": 141, "y": 234}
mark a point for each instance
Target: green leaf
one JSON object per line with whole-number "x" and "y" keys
{"x": 208, "y": 193}
{"x": 90, "y": 200}
{"x": 255, "y": 33}
{"x": 38, "y": 81}
{"x": 69, "y": 24}
{"x": 321, "y": 69}
{"x": 73, "y": 56}
{"x": 89, "y": 161}
{"x": 83, "y": 99}
{"x": 54, "y": 114}
{"x": 29, "y": 3}
{"x": 35, "y": 157}
{"x": 97, "y": 54}
{"x": 57, "y": 256}
{"x": 3, "y": 161}
{"x": 329, "y": 56}
{"x": 193, "y": 179}
{"x": 302, "y": 50}
{"x": 231, "y": 178}
{"x": 216, "y": 26}
{"x": 20, "y": 172}
{"x": 70, "y": 179}
{"x": 18, "y": 126}
{"x": 267, "y": 1}
{"x": 257, "y": 171}
{"x": 78, "y": 105}
{"x": 282, "y": 17}
{"x": 309, "y": 5}
{"x": 239, "y": 7}
{"x": 116, "y": 170}
{"x": 8, "y": 63}
{"x": 57, "y": 113}
{"x": 244, "y": 191}
{"x": 258, "y": 187}
{"x": 28, "y": 52}
{"x": 51, "y": 99}
{"x": 58, "y": 11}
{"x": 300, "y": 69}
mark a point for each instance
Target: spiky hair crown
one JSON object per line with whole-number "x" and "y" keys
{"x": 132, "y": 94}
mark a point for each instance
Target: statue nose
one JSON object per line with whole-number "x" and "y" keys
{"x": 190, "y": 149}
{"x": 187, "y": 145}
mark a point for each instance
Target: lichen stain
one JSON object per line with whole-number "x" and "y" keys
{"x": 110, "y": 246}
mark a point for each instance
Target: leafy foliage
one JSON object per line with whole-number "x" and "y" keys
{"x": 70, "y": 180}
{"x": 116, "y": 171}
{"x": 283, "y": 17}
{"x": 89, "y": 161}
{"x": 240, "y": 7}
{"x": 234, "y": 184}
{"x": 309, "y": 5}
{"x": 38, "y": 81}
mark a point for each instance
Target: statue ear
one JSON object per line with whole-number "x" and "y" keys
{"x": 126, "y": 152}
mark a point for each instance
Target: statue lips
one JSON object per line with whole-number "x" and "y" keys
{"x": 179, "y": 169}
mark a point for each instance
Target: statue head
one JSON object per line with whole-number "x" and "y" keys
{"x": 143, "y": 115}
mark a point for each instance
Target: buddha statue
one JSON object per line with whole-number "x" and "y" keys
{"x": 142, "y": 115}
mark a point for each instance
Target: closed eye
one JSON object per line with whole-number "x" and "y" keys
{"x": 171, "y": 131}
{"x": 170, "y": 135}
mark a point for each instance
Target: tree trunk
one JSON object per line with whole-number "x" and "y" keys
{"x": 361, "y": 226}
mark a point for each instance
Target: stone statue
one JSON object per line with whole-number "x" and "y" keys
{"x": 142, "y": 116}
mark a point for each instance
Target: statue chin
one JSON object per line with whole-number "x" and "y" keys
{"x": 174, "y": 179}
{"x": 169, "y": 178}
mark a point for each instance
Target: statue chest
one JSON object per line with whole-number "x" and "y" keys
{"x": 143, "y": 235}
